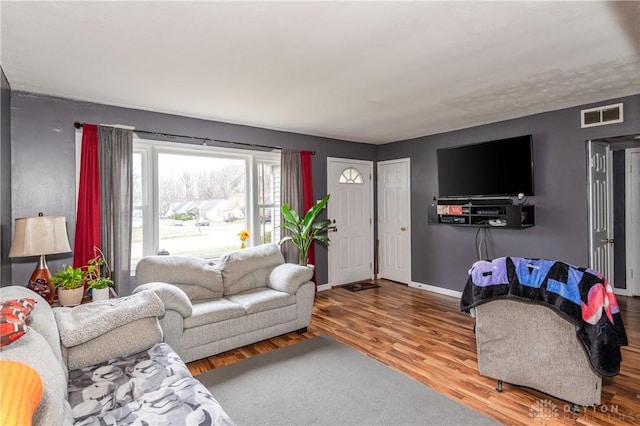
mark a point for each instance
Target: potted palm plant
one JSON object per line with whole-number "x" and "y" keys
{"x": 98, "y": 283}
{"x": 70, "y": 284}
{"x": 305, "y": 230}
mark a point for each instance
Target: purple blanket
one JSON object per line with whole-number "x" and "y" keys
{"x": 581, "y": 295}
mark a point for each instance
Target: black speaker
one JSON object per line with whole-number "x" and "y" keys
{"x": 432, "y": 212}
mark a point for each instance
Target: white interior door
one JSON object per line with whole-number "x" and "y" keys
{"x": 351, "y": 206}
{"x": 394, "y": 218}
{"x": 600, "y": 226}
{"x": 632, "y": 225}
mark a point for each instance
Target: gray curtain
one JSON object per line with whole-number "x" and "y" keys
{"x": 115, "y": 153}
{"x": 290, "y": 193}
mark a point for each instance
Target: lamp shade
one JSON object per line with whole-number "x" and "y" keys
{"x": 36, "y": 236}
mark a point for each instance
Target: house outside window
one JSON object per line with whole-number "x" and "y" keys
{"x": 194, "y": 201}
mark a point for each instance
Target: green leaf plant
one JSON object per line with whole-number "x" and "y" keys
{"x": 68, "y": 278}
{"x": 92, "y": 272}
{"x": 305, "y": 230}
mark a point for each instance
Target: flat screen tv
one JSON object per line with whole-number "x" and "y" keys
{"x": 489, "y": 169}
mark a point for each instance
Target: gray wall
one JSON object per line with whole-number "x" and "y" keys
{"x": 43, "y": 145}
{"x": 5, "y": 180}
{"x": 442, "y": 254}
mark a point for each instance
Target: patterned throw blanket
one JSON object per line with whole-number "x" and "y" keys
{"x": 581, "y": 295}
{"x": 152, "y": 387}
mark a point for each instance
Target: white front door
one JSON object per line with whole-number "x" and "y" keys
{"x": 351, "y": 206}
{"x": 394, "y": 218}
{"x": 600, "y": 227}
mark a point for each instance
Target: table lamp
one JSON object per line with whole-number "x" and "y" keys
{"x": 39, "y": 236}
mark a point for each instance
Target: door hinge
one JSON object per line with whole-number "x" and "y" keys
{"x": 369, "y": 176}
{"x": 370, "y": 221}
{"x": 370, "y": 265}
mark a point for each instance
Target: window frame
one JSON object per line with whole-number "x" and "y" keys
{"x": 150, "y": 151}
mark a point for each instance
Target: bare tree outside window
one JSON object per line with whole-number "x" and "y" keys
{"x": 194, "y": 202}
{"x": 202, "y": 204}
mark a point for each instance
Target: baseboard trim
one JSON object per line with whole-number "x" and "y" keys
{"x": 621, "y": 291}
{"x": 427, "y": 287}
{"x": 436, "y": 289}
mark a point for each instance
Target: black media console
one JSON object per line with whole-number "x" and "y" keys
{"x": 494, "y": 213}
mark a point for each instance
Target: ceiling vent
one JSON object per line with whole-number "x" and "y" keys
{"x": 600, "y": 116}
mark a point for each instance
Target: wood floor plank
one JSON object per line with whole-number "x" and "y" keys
{"x": 425, "y": 336}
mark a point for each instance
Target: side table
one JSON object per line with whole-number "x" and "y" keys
{"x": 85, "y": 299}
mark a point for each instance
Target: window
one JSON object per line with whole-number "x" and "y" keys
{"x": 194, "y": 201}
{"x": 351, "y": 176}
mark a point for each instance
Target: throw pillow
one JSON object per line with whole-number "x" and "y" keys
{"x": 13, "y": 319}
{"x": 22, "y": 391}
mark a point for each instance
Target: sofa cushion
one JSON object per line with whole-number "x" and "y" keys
{"x": 249, "y": 268}
{"x": 213, "y": 311}
{"x": 288, "y": 277}
{"x": 200, "y": 279}
{"x": 153, "y": 387}
{"x": 21, "y": 393}
{"x": 262, "y": 299}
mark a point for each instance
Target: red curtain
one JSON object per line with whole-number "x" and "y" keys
{"x": 307, "y": 196}
{"x": 88, "y": 215}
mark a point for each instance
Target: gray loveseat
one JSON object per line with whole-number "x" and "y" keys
{"x": 119, "y": 375}
{"x": 213, "y": 306}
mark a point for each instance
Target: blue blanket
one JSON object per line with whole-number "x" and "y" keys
{"x": 581, "y": 295}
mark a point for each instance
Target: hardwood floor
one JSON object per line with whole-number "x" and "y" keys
{"x": 426, "y": 337}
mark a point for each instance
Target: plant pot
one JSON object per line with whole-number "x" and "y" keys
{"x": 100, "y": 294}
{"x": 71, "y": 297}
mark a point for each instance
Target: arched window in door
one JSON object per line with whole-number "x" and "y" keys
{"x": 351, "y": 175}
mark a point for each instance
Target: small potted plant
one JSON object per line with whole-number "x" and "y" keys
{"x": 98, "y": 283}
{"x": 305, "y": 230}
{"x": 70, "y": 284}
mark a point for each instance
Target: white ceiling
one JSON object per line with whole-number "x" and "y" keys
{"x": 371, "y": 72}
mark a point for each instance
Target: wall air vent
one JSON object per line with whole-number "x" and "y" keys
{"x": 600, "y": 116}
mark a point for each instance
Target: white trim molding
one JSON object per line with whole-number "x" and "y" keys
{"x": 436, "y": 289}
{"x": 621, "y": 292}
{"x": 324, "y": 287}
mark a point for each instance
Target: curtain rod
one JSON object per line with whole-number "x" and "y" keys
{"x": 78, "y": 125}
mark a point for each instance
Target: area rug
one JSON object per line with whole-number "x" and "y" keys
{"x": 361, "y": 285}
{"x": 323, "y": 382}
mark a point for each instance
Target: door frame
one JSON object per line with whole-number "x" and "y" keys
{"x": 407, "y": 161}
{"x": 330, "y": 252}
{"x": 608, "y": 208}
{"x": 631, "y": 256}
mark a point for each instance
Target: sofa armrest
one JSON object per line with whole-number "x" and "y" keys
{"x": 288, "y": 277}
{"x": 173, "y": 298}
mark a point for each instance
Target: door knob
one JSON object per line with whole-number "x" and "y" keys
{"x": 404, "y": 228}
{"x": 607, "y": 240}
